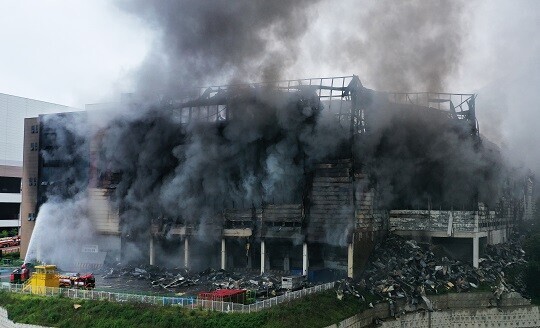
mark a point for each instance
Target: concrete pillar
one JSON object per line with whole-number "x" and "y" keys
{"x": 476, "y": 251}
{"x": 223, "y": 254}
{"x": 263, "y": 259}
{"x": 248, "y": 254}
{"x": 304, "y": 259}
{"x": 152, "y": 251}
{"x": 186, "y": 252}
{"x": 350, "y": 261}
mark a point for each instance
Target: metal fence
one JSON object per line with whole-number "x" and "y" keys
{"x": 188, "y": 302}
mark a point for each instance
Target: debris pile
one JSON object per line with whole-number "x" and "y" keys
{"x": 181, "y": 281}
{"x": 404, "y": 269}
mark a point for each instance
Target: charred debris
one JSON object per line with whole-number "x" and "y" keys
{"x": 182, "y": 281}
{"x": 399, "y": 270}
{"x": 404, "y": 270}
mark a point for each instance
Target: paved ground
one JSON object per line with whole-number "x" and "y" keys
{"x": 5, "y": 272}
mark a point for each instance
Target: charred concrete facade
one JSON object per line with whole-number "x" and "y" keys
{"x": 409, "y": 163}
{"x": 60, "y": 177}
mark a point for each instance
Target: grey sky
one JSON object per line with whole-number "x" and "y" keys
{"x": 74, "y": 52}
{"x": 68, "y": 51}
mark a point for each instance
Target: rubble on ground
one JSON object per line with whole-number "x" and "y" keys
{"x": 178, "y": 280}
{"x": 408, "y": 270}
{"x": 399, "y": 269}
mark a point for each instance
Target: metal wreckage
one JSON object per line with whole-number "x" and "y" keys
{"x": 410, "y": 271}
{"x": 399, "y": 269}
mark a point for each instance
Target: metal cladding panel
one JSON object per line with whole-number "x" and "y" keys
{"x": 105, "y": 218}
{"x": 10, "y": 171}
{"x": 9, "y": 198}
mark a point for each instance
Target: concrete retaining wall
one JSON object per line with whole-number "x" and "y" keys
{"x": 528, "y": 316}
{"x": 6, "y": 323}
{"x": 453, "y": 310}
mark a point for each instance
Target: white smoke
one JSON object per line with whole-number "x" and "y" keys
{"x": 62, "y": 229}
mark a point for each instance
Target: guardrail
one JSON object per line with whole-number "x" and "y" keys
{"x": 188, "y": 302}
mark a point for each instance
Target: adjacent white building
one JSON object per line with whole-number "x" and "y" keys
{"x": 10, "y": 197}
{"x": 13, "y": 111}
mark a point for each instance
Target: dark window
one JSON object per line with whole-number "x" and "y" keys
{"x": 31, "y": 216}
{"x": 9, "y": 211}
{"x": 10, "y": 185}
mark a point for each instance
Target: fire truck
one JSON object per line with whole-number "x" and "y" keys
{"x": 10, "y": 241}
{"x": 68, "y": 280}
{"x": 76, "y": 280}
{"x": 20, "y": 275}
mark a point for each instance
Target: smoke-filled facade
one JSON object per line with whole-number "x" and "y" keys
{"x": 291, "y": 175}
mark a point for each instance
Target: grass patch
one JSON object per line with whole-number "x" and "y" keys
{"x": 11, "y": 259}
{"x": 317, "y": 310}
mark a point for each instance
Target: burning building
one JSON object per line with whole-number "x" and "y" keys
{"x": 301, "y": 176}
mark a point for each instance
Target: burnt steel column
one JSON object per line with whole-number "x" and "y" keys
{"x": 152, "y": 251}
{"x": 223, "y": 254}
{"x": 186, "y": 252}
{"x": 305, "y": 259}
{"x": 263, "y": 256}
{"x": 476, "y": 251}
{"x": 350, "y": 260}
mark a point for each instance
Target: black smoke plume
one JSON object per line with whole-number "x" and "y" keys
{"x": 178, "y": 173}
{"x": 207, "y": 41}
{"x": 168, "y": 172}
{"x": 407, "y": 45}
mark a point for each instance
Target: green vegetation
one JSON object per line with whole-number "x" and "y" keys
{"x": 318, "y": 310}
{"x": 9, "y": 233}
{"x": 11, "y": 260}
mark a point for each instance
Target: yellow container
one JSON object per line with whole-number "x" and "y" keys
{"x": 43, "y": 278}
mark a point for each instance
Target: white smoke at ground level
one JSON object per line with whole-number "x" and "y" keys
{"x": 62, "y": 229}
